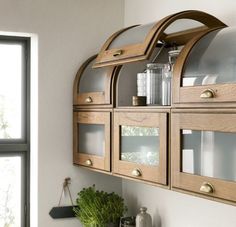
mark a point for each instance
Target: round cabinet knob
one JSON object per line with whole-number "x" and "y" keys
{"x": 88, "y": 162}
{"x": 207, "y": 188}
{"x": 118, "y": 53}
{"x": 136, "y": 173}
{"x": 207, "y": 94}
{"x": 88, "y": 100}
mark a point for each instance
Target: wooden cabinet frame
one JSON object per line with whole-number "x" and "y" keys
{"x": 212, "y": 120}
{"x": 100, "y": 111}
{"x": 86, "y": 117}
{"x": 156, "y": 174}
{"x": 142, "y": 51}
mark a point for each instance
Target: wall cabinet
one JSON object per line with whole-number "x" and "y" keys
{"x": 194, "y": 137}
{"x": 93, "y": 87}
{"x": 205, "y": 71}
{"x": 204, "y": 152}
{"x": 140, "y": 145}
{"x": 92, "y": 139}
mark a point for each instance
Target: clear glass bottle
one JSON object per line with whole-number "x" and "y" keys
{"x": 154, "y": 83}
{"x": 143, "y": 219}
{"x": 167, "y": 77}
{"x": 166, "y": 85}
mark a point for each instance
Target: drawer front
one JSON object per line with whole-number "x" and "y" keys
{"x": 203, "y": 152}
{"x": 217, "y": 93}
{"x": 93, "y": 98}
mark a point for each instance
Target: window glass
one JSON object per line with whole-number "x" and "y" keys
{"x": 11, "y": 71}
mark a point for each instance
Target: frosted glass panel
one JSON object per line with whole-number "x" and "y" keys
{"x": 209, "y": 153}
{"x": 10, "y": 192}
{"x": 140, "y": 145}
{"x": 92, "y": 139}
{"x": 182, "y": 24}
{"x": 212, "y": 60}
{"x": 11, "y": 90}
{"x": 132, "y": 36}
{"x": 93, "y": 80}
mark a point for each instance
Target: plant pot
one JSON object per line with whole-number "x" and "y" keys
{"x": 116, "y": 224}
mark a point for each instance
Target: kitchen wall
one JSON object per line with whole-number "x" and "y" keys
{"x": 168, "y": 208}
{"x": 69, "y": 31}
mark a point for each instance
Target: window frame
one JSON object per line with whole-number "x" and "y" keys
{"x": 21, "y": 147}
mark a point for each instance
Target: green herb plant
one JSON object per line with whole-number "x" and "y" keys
{"x": 98, "y": 208}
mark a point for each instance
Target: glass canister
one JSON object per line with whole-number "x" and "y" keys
{"x": 154, "y": 83}
{"x": 166, "y": 85}
{"x": 141, "y": 84}
{"x": 143, "y": 219}
{"x": 167, "y": 78}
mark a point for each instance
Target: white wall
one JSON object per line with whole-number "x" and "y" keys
{"x": 69, "y": 31}
{"x": 168, "y": 208}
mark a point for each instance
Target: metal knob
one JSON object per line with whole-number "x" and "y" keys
{"x": 207, "y": 188}
{"x": 118, "y": 53}
{"x": 136, "y": 173}
{"x": 88, "y": 100}
{"x": 88, "y": 162}
{"x": 207, "y": 94}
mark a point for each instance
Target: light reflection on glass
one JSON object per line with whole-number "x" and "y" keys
{"x": 140, "y": 145}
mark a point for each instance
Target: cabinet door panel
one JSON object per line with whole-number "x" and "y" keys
{"x": 136, "y": 43}
{"x": 92, "y": 139}
{"x": 140, "y": 144}
{"x": 204, "y": 152}
{"x": 92, "y": 86}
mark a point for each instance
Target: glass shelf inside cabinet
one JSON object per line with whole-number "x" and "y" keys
{"x": 92, "y": 139}
{"x": 212, "y": 60}
{"x": 140, "y": 145}
{"x": 209, "y": 153}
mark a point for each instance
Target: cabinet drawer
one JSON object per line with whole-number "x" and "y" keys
{"x": 203, "y": 152}
{"x": 140, "y": 146}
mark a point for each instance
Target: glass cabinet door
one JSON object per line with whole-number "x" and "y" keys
{"x": 140, "y": 145}
{"x": 92, "y": 86}
{"x": 204, "y": 153}
{"x": 92, "y": 139}
{"x": 136, "y": 43}
{"x": 206, "y": 70}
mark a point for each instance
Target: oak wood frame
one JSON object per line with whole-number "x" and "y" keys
{"x": 92, "y": 117}
{"x": 155, "y": 174}
{"x": 142, "y": 51}
{"x": 223, "y": 120}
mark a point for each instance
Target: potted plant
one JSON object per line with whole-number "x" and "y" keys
{"x": 99, "y": 208}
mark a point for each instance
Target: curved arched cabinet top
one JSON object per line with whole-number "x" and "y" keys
{"x": 137, "y": 42}
{"x": 92, "y": 86}
{"x": 205, "y": 72}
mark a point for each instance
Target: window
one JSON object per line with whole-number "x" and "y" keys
{"x": 14, "y": 131}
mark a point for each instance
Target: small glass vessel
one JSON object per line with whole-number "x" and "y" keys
{"x": 143, "y": 219}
